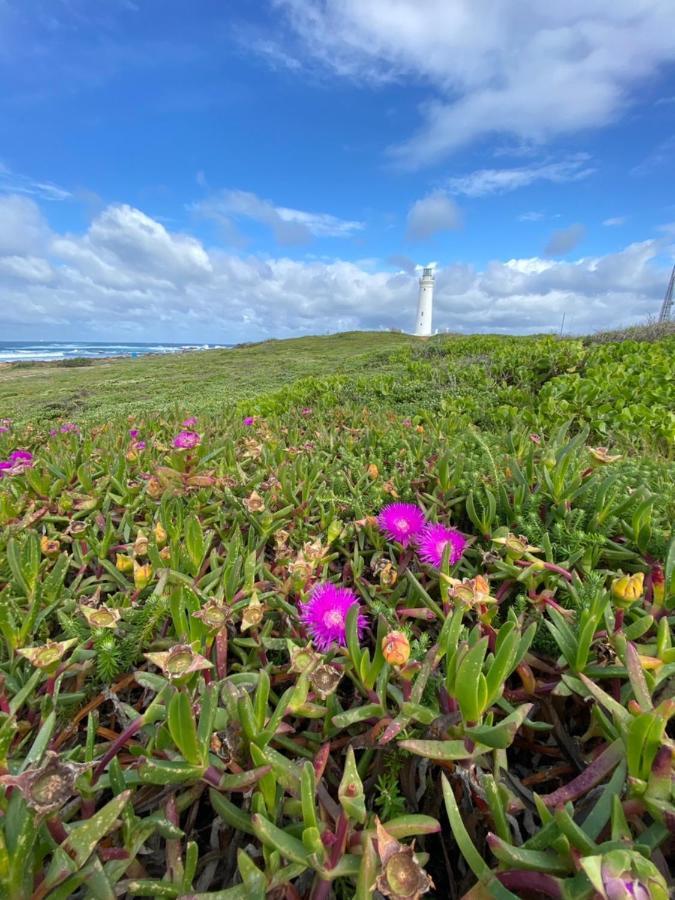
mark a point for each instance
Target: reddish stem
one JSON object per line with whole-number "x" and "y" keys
{"x": 539, "y": 884}
{"x": 116, "y": 746}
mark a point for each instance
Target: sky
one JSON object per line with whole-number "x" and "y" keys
{"x": 209, "y": 171}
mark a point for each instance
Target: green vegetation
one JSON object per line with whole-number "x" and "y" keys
{"x": 170, "y": 722}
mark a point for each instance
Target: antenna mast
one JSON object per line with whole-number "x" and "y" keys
{"x": 667, "y": 305}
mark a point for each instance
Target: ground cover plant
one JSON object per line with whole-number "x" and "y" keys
{"x": 401, "y": 626}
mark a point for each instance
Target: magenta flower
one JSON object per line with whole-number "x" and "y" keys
{"x": 4, "y": 429}
{"x": 138, "y": 445}
{"x": 69, "y": 428}
{"x": 401, "y": 522}
{"x": 189, "y": 422}
{"x": 325, "y": 615}
{"x": 5, "y": 465}
{"x": 307, "y": 411}
{"x": 433, "y": 540}
{"x": 53, "y": 432}
{"x": 25, "y": 457}
{"x": 249, "y": 420}
{"x": 133, "y": 432}
{"x": 186, "y": 440}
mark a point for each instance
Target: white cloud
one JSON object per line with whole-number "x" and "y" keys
{"x": 14, "y": 183}
{"x": 615, "y": 221}
{"x": 131, "y": 277}
{"x": 564, "y": 240}
{"x": 532, "y": 216}
{"x": 501, "y": 181}
{"x": 289, "y": 226}
{"x": 431, "y": 215}
{"x": 527, "y": 69}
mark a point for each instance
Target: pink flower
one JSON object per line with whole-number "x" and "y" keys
{"x": 190, "y": 422}
{"x": 433, "y": 541}
{"x": 307, "y": 411}
{"x": 407, "y": 423}
{"x": 325, "y": 615}
{"x": 401, "y": 522}
{"x": 53, "y": 432}
{"x": 249, "y": 420}
{"x": 186, "y": 440}
{"x": 69, "y": 428}
{"x": 133, "y": 432}
{"x": 139, "y": 445}
{"x": 4, "y": 429}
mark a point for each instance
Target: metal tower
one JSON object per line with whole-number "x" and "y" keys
{"x": 667, "y": 305}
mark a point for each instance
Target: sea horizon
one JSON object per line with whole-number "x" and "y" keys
{"x": 53, "y": 351}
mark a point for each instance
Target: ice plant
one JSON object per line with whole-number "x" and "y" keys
{"x": 48, "y": 655}
{"x": 628, "y": 588}
{"x": 249, "y": 420}
{"x": 69, "y": 428}
{"x": 21, "y": 457}
{"x": 100, "y": 617}
{"x": 472, "y": 591}
{"x": 214, "y": 615}
{"x": 435, "y": 538}
{"x": 325, "y": 615}
{"x": 190, "y": 422}
{"x": 186, "y": 440}
{"x": 324, "y": 680}
{"x": 625, "y": 875}
{"x": 401, "y": 522}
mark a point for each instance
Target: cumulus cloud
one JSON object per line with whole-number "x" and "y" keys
{"x": 531, "y": 70}
{"x": 289, "y": 226}
{"x": 565, "y": 239}
{"x": 431, "y": 215}
{"x": 129, "y": 276}
{"x": 500, "y": 181}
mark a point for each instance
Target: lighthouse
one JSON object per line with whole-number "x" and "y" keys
{"x": 425, "y": 302}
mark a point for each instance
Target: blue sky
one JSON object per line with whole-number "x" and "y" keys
{"x": 202, "y": 170}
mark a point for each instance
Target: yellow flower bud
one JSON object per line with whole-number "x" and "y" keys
{"x": 123, "y": 562}
{"x": 142, "y": 575}
{"x": 396, "y": 648}
{"x": 373, "y": 471}
{"x": 49, "y": 546}
{"x": 628, "y": 588}
{"x": 160, "y": 534}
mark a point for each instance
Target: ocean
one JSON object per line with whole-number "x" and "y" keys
{"x": 47, "y": 351}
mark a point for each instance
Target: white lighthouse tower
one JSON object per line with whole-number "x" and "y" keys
{"x": 425, "y": 302}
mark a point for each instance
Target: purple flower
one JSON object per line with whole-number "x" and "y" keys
{"x": 307, "y": 411}
{"x": 189, "y": 422}
{"x": 5, "y": 464}
{"x": 4, "y": 429}
{"x": 325, "y": 614}
{"x": 433, "y": 540}
{"x": 53, "y": 432}
{"x": 186, "y": 440}
{"x": 407, "y": 423}
{"x": 139, "y": 445}
{"x": 249, "y": 420}
{"x": 69, "y": 428}
{"x": 133, "y": 432}
{"x": 401, "y": 522}
{"x": 21, "y": 456}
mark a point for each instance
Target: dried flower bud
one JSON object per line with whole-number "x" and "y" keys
{"x": 324, "y": 680}
{"x": 602, "y": 455}
{"x": 396, "y": 648}
{"x": 140, "y": 544}
{"x": 303, "y": 659}
{"x": 253, "y": 614}
{"x": 214, "y": 615}
{"x": 154, "y": 487}
{"x": 472, "y": 591}
{"x": 142, "y": 575}
{"x": 254, "y": 502}
{"x": 628, "y": 588}
{"x": 373, "y": 471}
{"x": 50, "y": 547}
{"x": 102, "y": 617}
{"x": 48, "y": 655}
{"x": 516, "y": 545}
{"x": 123, "y": 562}
{"x": 47, "y": 787}
{"x": 388, "y": 575}
{"x": 165, "y": 554}
{"x": 402, "y": 877}
{"x": 179, "y": 662}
